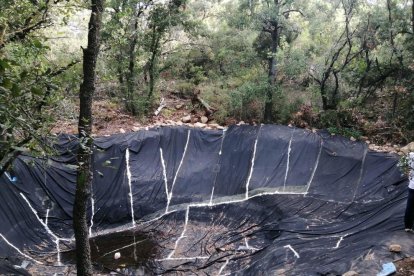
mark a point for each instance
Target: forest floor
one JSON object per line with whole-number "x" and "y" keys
{"x": 111, "y": 118}
{"x": 405, "y": 267}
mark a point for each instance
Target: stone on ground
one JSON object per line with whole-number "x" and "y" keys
{"x": 350, "y": 273}
{"x": 204, "y": 119}
{"x": 395, "y": 248}
{"x": 186, "y": 119}
{"x": 408, "y": 148}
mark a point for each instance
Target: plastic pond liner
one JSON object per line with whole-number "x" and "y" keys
{"x": 249, "y": 200}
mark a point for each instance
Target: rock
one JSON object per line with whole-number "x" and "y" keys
{"x": 368, "y": 142}
{"x": 241, "y": 123}
{"x": 214, "y": 126}
{"x": 200, "y": 125}
{"x": 350, "y": 273}
{"x": 179, "y": 123}
{"x": 221, "y": 127}
{"x": 186, "y": 119}
{"x": 395, "y": 146}
{"x": 204, "y": 119}
{"x": 140, "y": 272}
{"x": 117, "y": 255}
{"x": 179, "y": 106}
{"x": 281, "y": 272}
{"x": 122, "y": 130}
{"x": 352, "y": 139}
{"x": 395, "y": 248}
{"x": 135, "y": 128}
{"x": 25, "y": 264}
{"x": 408, "y": 148}
{"x": 364, "y": 138}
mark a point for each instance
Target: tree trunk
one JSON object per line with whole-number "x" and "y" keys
{"x": 324, "y": 98}
{"x": 131, "y": 69}
{"x": 398, "y": 55}
{"x": 152, "y": 68}
{"x": 84, "y": 156}
{"x": 268, "y": 113}
{"x": 412, "y": 17}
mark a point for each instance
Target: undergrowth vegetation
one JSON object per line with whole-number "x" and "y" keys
{"x": 344, "y": 65}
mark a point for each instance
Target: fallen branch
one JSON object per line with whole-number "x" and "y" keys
{"x": 162, "y": 105}
{"x": 197, "y": 99}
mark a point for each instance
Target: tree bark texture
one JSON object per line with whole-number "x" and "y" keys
{"x": 274, "y": 31}
{"x": 268, "y": 113}
{"x": 412, "y": 17}
{"x": 84, "y": 156}
{"x": 152, "y": 69}
{"x": 131, "y": 69}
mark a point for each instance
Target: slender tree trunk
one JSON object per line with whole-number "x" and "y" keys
{"x": 268, "y": 113}
{"x": 335, "y": 93}
{"x": 151, "y": 73}
{"x": 131, "y": 69}
{"x": 84, "y": 156}
{"x": 121, "y": 76}
{"x": 324, "y": 98}
{"x": 412, "y": 17}
{"x": 397, "y": 54}
{"x": 152, "y": 64}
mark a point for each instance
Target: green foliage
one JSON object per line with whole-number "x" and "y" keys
{"x": 295, "y": 65}
{"x": 31, "y": 81}
{"x": 247, "y": 101}
{"x": 347, "y": 132}
{"x": 222, "y": 49}
{"x": 283, "y": 109}
{"x": 185, "y": 89}
{"x": 136, "y": 34}
{"x": 339, "y": 122}
{"x": 404, "y": 164}
{"x": 333, "y": 118}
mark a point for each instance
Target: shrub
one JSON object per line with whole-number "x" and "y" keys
{"x": 185, "y": 89}
{"x": 247, "y": 101}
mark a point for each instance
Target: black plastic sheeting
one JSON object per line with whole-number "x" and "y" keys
{"x": 249, "y": 200}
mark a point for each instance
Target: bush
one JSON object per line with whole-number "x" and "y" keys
{"x": 305, "y": 116}
{"x": 185, "y": 89}
{"x": 347, "y": 132}
{"x": 247, "y": 101}
{"x": 283, "y": 111}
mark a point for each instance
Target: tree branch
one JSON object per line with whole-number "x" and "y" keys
{"x": 293, "y": 10}
{"x": 12, "y": 154}
{"x": 63, "y": 69}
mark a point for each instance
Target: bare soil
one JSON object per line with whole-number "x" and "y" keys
{"x": 405, "y": 267}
